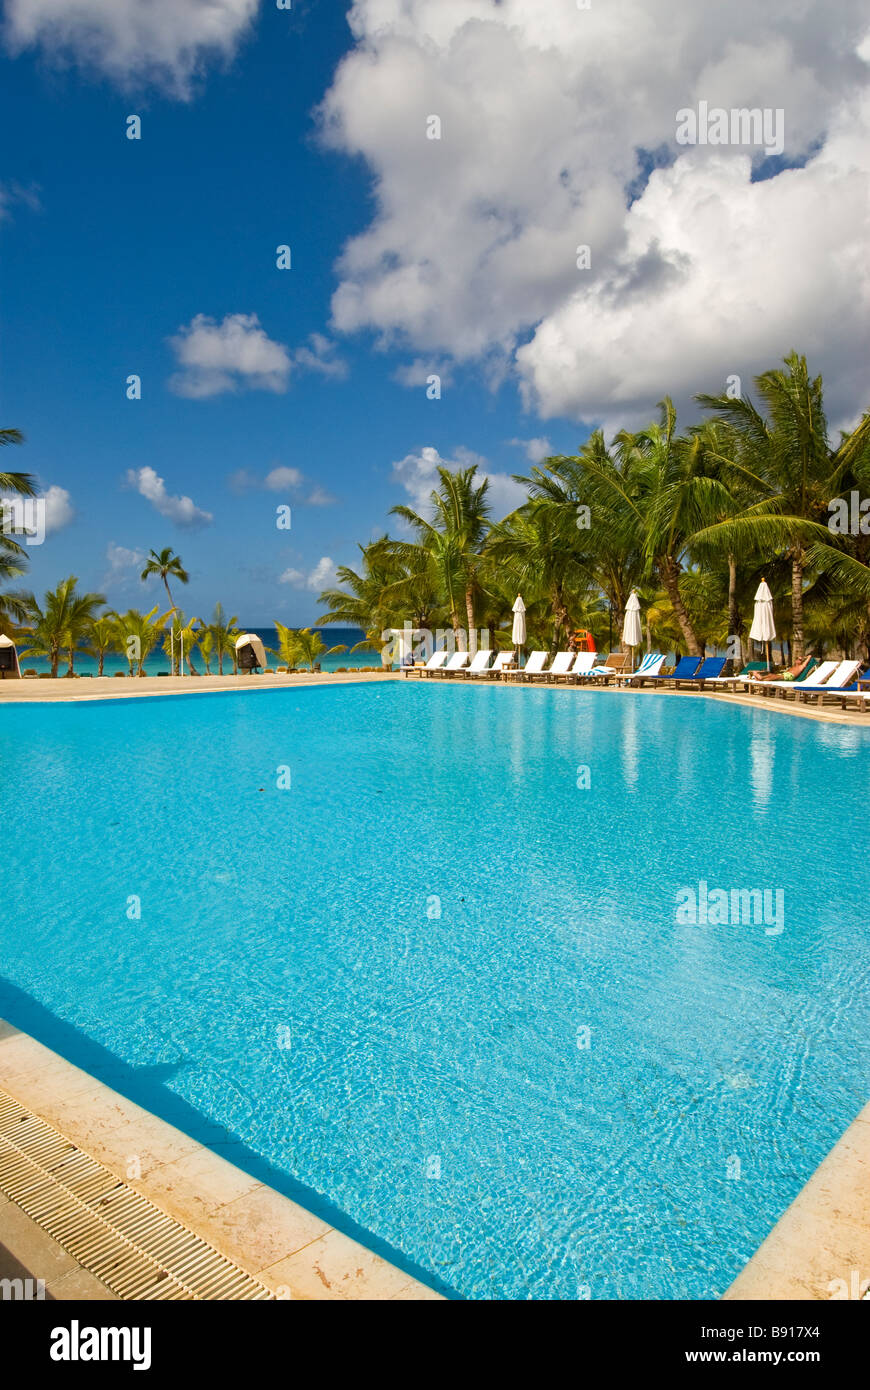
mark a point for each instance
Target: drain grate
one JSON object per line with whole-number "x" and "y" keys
{"x": 127, "y": 1242}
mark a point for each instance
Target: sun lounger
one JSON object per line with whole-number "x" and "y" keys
{"x": 456, "y": 663}
{"x": 648, "y": 668}
{"x": 685, "y": 669}
{"x": 616, "y": 665}
{"x": 478, "y": 665}
{"x": 560, "y": 668}
{"x": 583, "y": 666}
{"x": 498, "y": 667}
{"x": 751, "y": 674}
{"x": 435, "y": 662}
{"x": 834, "y": 685}
{"x": 815, "y": 679}
{"x": 533, "y": 667}
{"x": 710, "y": 668}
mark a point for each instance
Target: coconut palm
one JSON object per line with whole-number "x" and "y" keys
{"x": 137, "y": 634}
{"x": 296, "y": 647}
{"x": 166, "y": 564}
{"x": 224, "y": 632}
{"x": 61, "y": 623}
{"x": 101, "y": 637}
{"x": 207, "y": 649}
{"x": 790, "y": 468}
{"x": 593, "y": 494}
{"x": 453, "y": 540}
{"x": 538, "y": 548}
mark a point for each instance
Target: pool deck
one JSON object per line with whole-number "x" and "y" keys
{"x": 42, "y": 691}
{"x": 290, "y": 1250}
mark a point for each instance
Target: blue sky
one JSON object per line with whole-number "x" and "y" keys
{"x": 111, "y": 245}
{"x": 409, "y": 256}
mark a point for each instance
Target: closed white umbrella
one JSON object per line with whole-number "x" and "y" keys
{"x": 518, "y": 631}
{"x": 632, "y": 635}
{"x": 763, "y": 627}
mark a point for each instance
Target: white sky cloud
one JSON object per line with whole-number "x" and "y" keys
{"x": 59, "y": 510}
{"x": 418, "y": 475}
{"x": 322, "y": 576}
{"x": 534, "y": 449}
{"x": 282, "y": 479}
{"x": 236, "y": 354}
{"x": 181, "y": 510}
{"x": 546, "y": 110}
{"x": 166, "y": 41}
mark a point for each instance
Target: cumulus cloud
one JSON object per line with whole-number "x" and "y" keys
{"x": 235, "y": 354}
{"x": 418, "y": 475}
{"x": 322, "y": 576}
{"x": 559, "y": 131}
{"x": 123, "y": 565}
{"x": 131, "y": 41}
{"x": 282, "y": 479}
{"x": 534, "y": 449}
{"x": 59, "y": 510}
{"x": 320, "y": 355}
{"x": 181, "y": 510}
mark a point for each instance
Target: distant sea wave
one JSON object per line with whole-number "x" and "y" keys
{"x": 86, "y": 664}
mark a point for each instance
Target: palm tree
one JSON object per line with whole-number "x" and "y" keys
{"x": 224, "y": 632}
{"x": 137, "y": 634}
{"x": 298, "y": 646}
{"x": 538, "y": 547}
{"x": 397, "y": 583}
{"x": 207, "y": 649}
{"x": 13, "y": 604}
{"x": 166, "y": 564}
{"x": 453, "y": 540}
{"x": 102, "y": 636}
{"x": 787, "y": 462}
{"x": 608, "y": 541}
{"x": 61, "y": 623}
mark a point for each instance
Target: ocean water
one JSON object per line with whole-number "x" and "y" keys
{"x": 442, "y": 988}
{"x": 157, "y": 660}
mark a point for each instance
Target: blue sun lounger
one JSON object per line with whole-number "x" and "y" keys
{"x": 685, "y": 669}
{"x": 709, "y": 670}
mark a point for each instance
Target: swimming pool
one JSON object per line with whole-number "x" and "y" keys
{"x": 442, "y": 979}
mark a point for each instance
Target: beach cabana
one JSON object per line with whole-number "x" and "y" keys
{"x": 8, "y": 658}
{"x": 250, "y": 652}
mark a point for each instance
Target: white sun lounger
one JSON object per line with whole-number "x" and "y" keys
{"x": 561, "y": 667}
{"x": 498, "y": 667}
{"x": 583, "y": 665}
{"x": 435, "y": 662}
{"x": 533, "y": 667}
{"x": 456, "y": 663}
{"x": 818, "y": 677}
{"x": 844, "y": 675}
{"x": 479, "y": 664}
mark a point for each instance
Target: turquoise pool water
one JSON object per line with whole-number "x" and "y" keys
{"x": 438, "y": 990}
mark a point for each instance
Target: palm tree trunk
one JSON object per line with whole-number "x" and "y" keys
{"x": 70, "y": 660}
{"x": 472, "y": 631}
{"x": 560, "y": 615}
{"x": 797, "y": 602}
{"x": 102, "y": 658}
{"x": 670, "y": 573}
{"x": 733, "y": 610}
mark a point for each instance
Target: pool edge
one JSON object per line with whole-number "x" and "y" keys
{"x": 289, "y": 1249}
{"x": 820, "y": 1247}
